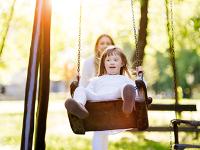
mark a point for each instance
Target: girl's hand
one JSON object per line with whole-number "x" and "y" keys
{"x": 139, "y": 70}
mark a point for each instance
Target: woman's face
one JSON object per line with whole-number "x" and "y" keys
{"x": 103, "y": 43}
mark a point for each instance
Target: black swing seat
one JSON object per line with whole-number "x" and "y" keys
{"x": 108, "y": 115}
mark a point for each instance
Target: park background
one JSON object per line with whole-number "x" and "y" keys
{"x": 106, "y": 16}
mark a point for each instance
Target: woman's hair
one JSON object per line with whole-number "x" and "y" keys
{"x": 113, "y": 50}
{"x": 96, "y": 51}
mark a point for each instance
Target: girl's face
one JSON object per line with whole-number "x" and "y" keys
{"x": 103, "y": 43}
{"x": 113, "y": 64}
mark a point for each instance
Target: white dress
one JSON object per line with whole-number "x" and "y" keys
{"x": 106, "y": 87}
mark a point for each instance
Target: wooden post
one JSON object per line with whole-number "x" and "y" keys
{"x": 43, "y": 97}
{"x": 40, "y": 47}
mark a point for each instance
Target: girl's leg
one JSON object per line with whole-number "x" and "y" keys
{"x": 76, "y": 105}
{"x": 100, "y": 140}
{"x": 80, "y": 95}
{"x": 101, "y": 97}
{"x": 128, "y": 94}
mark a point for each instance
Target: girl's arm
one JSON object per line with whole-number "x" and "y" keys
{"x": 90, "y": 92}
{"x": 90, "y": 86}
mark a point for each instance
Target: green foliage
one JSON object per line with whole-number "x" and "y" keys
{"x": 196, "y": 23}
{"x": 164, "y": 82}
{"x": 113, "y": 18}
{"x": 187, "y": 50}
{"x": 187, "y": 64}
{"x": 188, "y": 70}
{"x": 17, "y": 43}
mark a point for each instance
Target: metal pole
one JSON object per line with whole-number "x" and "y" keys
{"x": 43, "y": 97}
{"x": 31, "y": 83}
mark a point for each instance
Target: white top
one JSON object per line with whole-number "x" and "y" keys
{"x": 88, "y": 71}
{"x": 102, "y": 88}
{"x": 108, "y": 83}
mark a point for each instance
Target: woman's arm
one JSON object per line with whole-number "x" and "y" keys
{"x": 87, "y": 72}
{"x": 84, "y": 78}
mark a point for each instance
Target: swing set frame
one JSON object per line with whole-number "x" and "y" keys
{"x": 40, "y": 56}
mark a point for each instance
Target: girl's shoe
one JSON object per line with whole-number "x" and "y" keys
{"x": 76, "y": 108}
{"x": 128, "y": 99}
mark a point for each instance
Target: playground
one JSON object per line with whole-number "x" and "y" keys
{"x": 44, "y": 45}
{"x": 60, "y": 136}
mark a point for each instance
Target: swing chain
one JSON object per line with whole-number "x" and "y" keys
{"x": 172, "y": 28}
{"x": 172, "y": 59}
{"x": 79, "y": 42}
{"x": 135, "y": 34}
{"x": 172, "y": 34}
{"x": 172, "y": 52}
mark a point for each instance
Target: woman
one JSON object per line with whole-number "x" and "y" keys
{"x": 90, "y": 66}
{"x": 90, "y": 70}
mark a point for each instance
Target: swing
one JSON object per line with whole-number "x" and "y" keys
{"x": 175, "y": 124}
{"x": 108, "y": 115}
{"x": 176, "y": 107}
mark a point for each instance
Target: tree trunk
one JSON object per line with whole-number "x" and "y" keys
{"x": 138, "y": 56}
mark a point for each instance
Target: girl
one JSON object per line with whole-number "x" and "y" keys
{"x": 91, "y": 65}
{"x": 90, "y": 70}
{"x": 111, "y": 83}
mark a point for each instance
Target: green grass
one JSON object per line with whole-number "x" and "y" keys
{"x": 129, "y": 144}
{"x": 67, "y": 143}
{"x": 58, "y": 143}
{"x": 60, "y": 137}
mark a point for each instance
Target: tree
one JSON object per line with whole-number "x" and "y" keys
{"x": 141, "y": 43}
{"x": 6, "y": 27}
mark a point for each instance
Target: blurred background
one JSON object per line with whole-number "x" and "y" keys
{"x": 98, "y": 17}
{"x": 112, "y": 17}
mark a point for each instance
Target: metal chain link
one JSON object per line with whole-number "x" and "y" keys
{"x": 172, "y": 52}
{"x": 79, "y": 41}
{"x": 172, "y": 59}
{"x": 172, "y": 27}
{"x": 135, "y": 34}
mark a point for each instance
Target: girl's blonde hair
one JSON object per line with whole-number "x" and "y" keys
{"x": 113, "y": 50}
{"x": 96, "y": 51}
